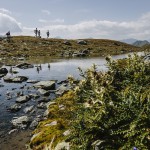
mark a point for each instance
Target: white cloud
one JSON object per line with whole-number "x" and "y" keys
{"x": 139, "y": 29}
{"x": 8, "y": 23}
{"x": 5, "y": 11}
{"x": 46, "y": 12}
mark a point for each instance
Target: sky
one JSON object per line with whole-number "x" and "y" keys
{"x": 74, "y": 19}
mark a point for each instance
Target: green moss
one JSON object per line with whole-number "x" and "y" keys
{"x": 47, "y": 133}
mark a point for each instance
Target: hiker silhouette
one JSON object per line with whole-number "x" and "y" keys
{"x": 47, "y": 33}
{"x": 36, "y": 32}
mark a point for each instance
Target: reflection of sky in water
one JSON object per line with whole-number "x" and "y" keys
{"x": 60, "y": 70}
{"x": 63, "y": 67}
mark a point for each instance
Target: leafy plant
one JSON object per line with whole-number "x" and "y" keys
{"x": 113, "y": 107}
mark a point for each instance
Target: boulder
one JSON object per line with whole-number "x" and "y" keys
{"x": 62, "y": 89}
{"x": 44, "y": 92}
{"x": 28, "y": 109}
{"x": 17, "y": 79}
{"x": 25, "y": 66}
{"x": 15, "y": 107}
{"x": 21, "y": 122}
{"x": 67, "y": 42}
{"x": 34, "y": 124}
{"x": 82, "y": 42}
{"x": 41, "y": 105}
{"x": 3, "y": 71}
{"x": 23, "y": 99}
{"x": 46, "y": 85}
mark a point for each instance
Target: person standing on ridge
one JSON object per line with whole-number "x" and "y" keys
{"x": 39, "y": 34}
{"x": 8, "y": 36}
{"x": 36, "y": 32}
{"x": 47, "y": 33}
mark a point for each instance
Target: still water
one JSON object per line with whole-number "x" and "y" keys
{"x": 50, "y": 69}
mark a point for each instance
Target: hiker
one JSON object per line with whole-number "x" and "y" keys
{"x": 8, "y": 36}
{"x": 47, "y": 33}
{"x": 39, "y": 34}
{"x": 36, "y": 32}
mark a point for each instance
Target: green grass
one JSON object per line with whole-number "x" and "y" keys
{"x": 26, "y": 46}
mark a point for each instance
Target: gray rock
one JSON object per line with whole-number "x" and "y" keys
{"x": 62, "y": 145}
{"x": 3, "y": 71}
{"x": 44, "y": 92}
{"x": 62, "y": 89}
{"x": 17, "y": 79}
{"x": 46, "y": 85}
{"x": 82, "y": 42}
{"x": 54, "y": 123}
{"x": 23, "y": 99}
{"x": 66, "y": 133}
{"x": 24, "y": 66}
{"x": 32, "y": 81}
{"x": 34, "y": 96}
{"x": 21, "y": 122}
{"x": 28, "y": 109}
{"x": 15, "y": 107}
{"x": 67, "y": 42}
{"x": 34, "y": 124}
{"x": 41, "y": 105}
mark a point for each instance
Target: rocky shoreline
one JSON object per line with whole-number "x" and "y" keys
{"x": 29, "y": 102}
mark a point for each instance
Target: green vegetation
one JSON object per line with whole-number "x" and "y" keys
{"x": 29, "y": 47}
{"x": 106, "y": 110}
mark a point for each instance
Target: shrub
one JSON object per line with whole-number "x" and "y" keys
{"x": 113, "y": 107}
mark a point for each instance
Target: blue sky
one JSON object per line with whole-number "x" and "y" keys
{"x": 110, "y": 19}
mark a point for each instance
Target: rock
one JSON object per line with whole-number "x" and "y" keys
{"x": 46, "y": 85}
{"x": 21, "y": 122}
{"x": 41, "y": 105}
{"x": 44, "y": 99}
{"x": 15, "y": 107}
{"x": 28, "y": 109}
{"x": 66, "y": 133}
{"x": 67, "y": 42}
{"x": 44, "y": 92}
{"x": 62, "y": 107}
{"x": 62, "y": 89}
{"x": 62, "y": 145}
{"x": 21, "y": 58}
{"x": 54, "y": 123}
{"x": 23, "y": 99}
{"x": 85, "y": 51}
{"x": 24, "y": 66}
{"x": 32, "y": 81}
{"x": 34, "y": 124}
{"x": 3, "y": 71}
{"x": 82, "y": 42}
{"x": 18, "y": 79}
{"x": 2, "y": 75}
{"x": 34, "y": 96}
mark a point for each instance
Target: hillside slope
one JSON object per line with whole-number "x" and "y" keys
{"x": 23, "y": 46}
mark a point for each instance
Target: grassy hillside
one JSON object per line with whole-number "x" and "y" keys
{"x": 25, "y": 46}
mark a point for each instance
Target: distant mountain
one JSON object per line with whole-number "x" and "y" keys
{"x": 140, "y": 43}
{"x": 129, "y": 41}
